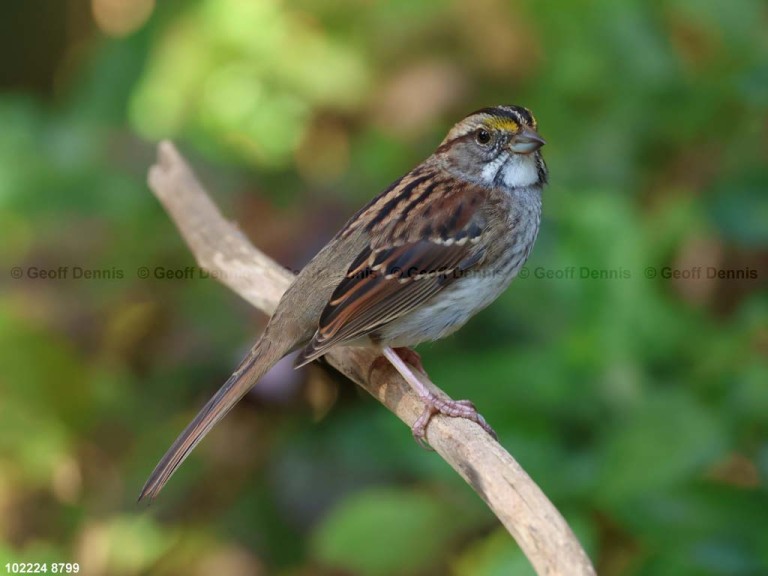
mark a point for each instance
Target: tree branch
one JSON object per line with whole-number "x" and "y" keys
{"x": 221, "y": 249}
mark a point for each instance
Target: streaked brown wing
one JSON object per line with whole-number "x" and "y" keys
{"x": 410, "y": 260}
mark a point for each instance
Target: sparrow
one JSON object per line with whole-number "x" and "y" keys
{"x": 413, "y": 265}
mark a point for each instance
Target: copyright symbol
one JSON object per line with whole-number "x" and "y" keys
{"x": 650, "y": 272}
{"x": 16, "y": 272}
{"x": 524, "y": 272}
{"x": 143, "y": 272}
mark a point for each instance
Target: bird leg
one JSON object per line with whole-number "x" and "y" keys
{"x": 407, "y": 355}
{"x": 433, "y": 404}
{"x": 410, "y": 356}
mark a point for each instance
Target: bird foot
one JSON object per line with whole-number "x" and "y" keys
{"x": 433, "y": 404}
{"x": 453, "y": 408}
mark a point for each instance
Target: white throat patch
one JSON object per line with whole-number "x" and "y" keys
{"x": 514, "y": 170}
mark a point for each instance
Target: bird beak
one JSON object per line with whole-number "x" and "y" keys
{"x": 526, "y": 141}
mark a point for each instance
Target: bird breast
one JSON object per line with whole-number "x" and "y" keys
{"x": 451, "y": 308}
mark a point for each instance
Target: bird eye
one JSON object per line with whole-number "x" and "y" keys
{"x": 483, "y": 136}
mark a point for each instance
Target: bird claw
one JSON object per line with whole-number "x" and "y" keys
{"x": 453, "y": 408}
{"x": 433, "y": 404}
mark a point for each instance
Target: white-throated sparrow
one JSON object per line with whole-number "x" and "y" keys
{"x": 414, "y": 264}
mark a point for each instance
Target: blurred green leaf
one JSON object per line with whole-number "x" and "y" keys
{"x": 387, "y": 531}
{"x": 251, "y": 93}
{"x": 495, "y": 555}
{"x": 661, "y": 443}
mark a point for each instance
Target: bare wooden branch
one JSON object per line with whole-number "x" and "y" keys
{"x": 221, "y": 249}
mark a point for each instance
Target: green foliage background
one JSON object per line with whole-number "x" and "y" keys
{"x": 638, "y": 404}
